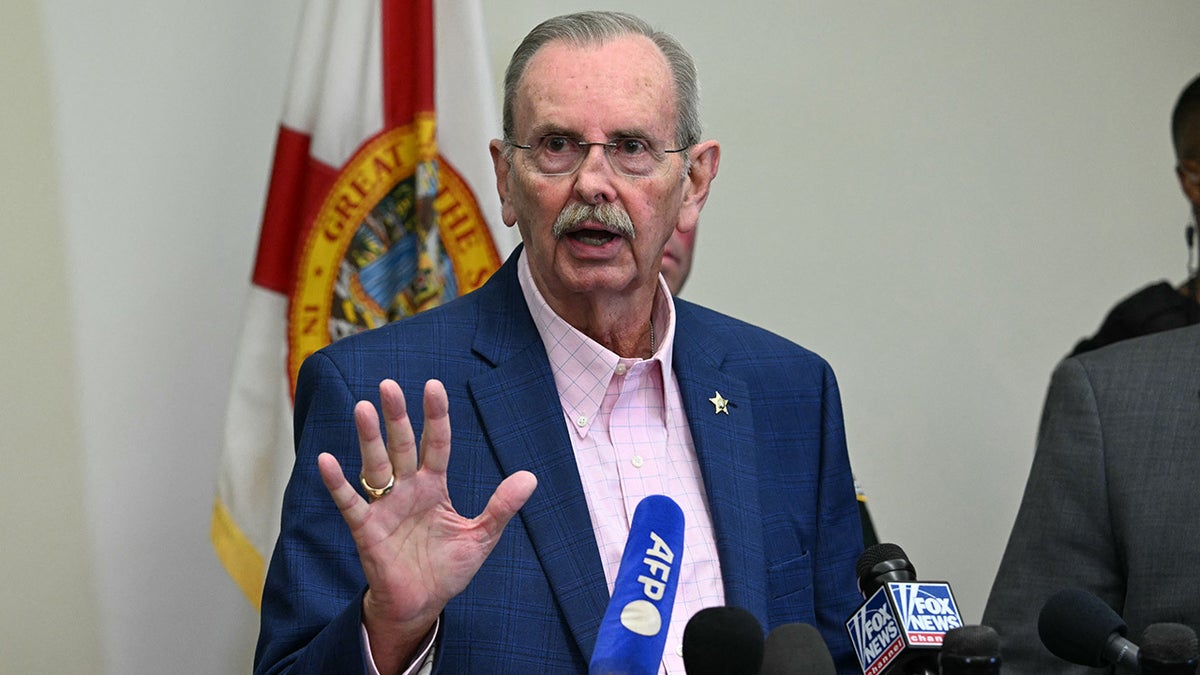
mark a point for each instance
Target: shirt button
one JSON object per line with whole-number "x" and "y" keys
{"x": 679, "y": 650}
{"x": 638, "y": 461}
{"x": 621, "y": 369}
{"x": 581, "y": 420}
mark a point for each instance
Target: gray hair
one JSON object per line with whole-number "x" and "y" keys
{"x": 596, "y": 28}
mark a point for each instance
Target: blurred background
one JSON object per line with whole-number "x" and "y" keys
{"x": 939, "y": 197}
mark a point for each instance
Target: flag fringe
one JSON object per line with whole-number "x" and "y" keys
{"x": 242, "y": 561}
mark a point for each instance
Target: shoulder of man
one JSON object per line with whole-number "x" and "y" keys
{"x": 1160, "y": 354}
{"x": 736, "y": 344}
{"x": 1152, "y": 309}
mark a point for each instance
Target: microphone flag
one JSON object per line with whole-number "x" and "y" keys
{"x": 900, "y": 622}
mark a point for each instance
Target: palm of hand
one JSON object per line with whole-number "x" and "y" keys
{"x": 416, "y": 551}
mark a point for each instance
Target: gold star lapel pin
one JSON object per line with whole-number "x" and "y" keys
{"x": 720, "y": 404}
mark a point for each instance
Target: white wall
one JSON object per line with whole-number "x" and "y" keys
{"x": 48, "y": 606}
{"x": 939, "y": 197}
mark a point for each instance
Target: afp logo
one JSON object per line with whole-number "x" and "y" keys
{"x": 641, "y": 615}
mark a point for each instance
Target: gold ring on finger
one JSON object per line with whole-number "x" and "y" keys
{"x": 374, "y": 492}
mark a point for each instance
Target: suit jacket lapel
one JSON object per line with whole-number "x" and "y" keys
{"x": 725, "y": 449}
{"x": 522, "y": 417}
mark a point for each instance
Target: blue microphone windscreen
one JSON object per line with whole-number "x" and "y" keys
{"x": 634, "y": 630}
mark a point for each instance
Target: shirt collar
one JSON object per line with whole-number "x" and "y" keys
{"x": 583, "y": 367}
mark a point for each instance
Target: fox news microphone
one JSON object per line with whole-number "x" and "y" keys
{"x": 796, "y": 649}
{"x": 634, "y": 629}
{"x": 1077, "y": 626}
{"x": 880, "y": 564}
{"x": 722, "y": 641}
{"x": 1168, "y": 649}
{"x": 899, "y": 627}
{"x": 970, "y": 650}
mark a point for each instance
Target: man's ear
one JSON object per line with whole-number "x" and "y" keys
{"x": 705, "y": 160}
{"x": 503, "y": 169}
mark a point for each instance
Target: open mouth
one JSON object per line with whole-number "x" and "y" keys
{"x": 592, "y": 237}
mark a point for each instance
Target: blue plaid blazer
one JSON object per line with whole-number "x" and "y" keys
{"x": 775, "y": 469}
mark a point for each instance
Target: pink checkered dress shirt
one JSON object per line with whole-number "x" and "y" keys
{"x": 631, "y": 439}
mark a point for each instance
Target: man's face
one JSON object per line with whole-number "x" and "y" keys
{"x": 617, "y": 90}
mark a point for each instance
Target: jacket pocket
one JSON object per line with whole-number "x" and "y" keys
{"x": 790, "y": 588}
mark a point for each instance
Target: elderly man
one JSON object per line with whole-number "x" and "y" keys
{"x": 575, "y": 386}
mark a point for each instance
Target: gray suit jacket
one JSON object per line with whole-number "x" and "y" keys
{"x": 1112, "y": 505}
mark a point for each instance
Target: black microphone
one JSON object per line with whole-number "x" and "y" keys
{"x": 880, "y": 564}
{"x": 899, "y": 627}
{"x": 970, "y": 650}
{"x": 1077, "y": 626}
{"x": 796, "y": 649}
{"x": 722, "y": 641}
{"x": 1168, "y": 649}
{"x": 634, "y": 629}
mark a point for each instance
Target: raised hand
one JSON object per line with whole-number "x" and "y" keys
{"x": 416, "y": 551}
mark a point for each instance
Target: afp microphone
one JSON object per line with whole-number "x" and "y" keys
{"x": 899, "y": 627}
{"x": 634, "y": 630}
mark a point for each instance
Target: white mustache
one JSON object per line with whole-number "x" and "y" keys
{"x": 609, "y": 215}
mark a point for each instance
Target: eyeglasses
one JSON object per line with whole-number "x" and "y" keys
{"x": 633, "y": 157}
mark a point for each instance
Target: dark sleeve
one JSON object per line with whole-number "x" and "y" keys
{"x": 840, "y": 538}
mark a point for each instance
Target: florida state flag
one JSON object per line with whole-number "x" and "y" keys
{"x": 373, "y": 214}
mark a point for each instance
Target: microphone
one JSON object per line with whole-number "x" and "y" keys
{"x": 970, "y": 650}
{"x": 1077, "y": 626}
{"x": 899, "y": 627}
{"x": 722, "y": 641}
{"x": 880, "y": 564}
{"x": 796, "y": 649}
{"x": 634, "y": 629}
{"x": 1169, "y": 649}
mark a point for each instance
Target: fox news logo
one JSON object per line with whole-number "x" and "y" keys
{"x": 901, "y": 615}
{"x": 875, "y": 633}
{"x": 926, "y": 610}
